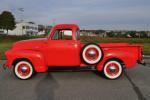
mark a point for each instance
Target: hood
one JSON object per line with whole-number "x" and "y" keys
{"x": 29, "y": 44}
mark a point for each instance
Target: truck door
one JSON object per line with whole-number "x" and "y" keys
{"x": 62, "y": 50}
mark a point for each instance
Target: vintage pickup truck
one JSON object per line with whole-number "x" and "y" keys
{"x": 62, "y": 48}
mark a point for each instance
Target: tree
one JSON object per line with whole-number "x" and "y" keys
{"x": 143, "y": 34}
{"x": 111, "y": 34}
{"x": 132, "y": 33}
{"x": 7, "y": 21}
{"x": 99, "y": 31}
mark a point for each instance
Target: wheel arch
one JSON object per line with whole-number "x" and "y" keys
{"x": 100, "y": 66}
{"x": 37, "y": 64}
{"x": 34, "y": 57}
{"x": 116, "y": 59}
{"x": 20, "y": 59}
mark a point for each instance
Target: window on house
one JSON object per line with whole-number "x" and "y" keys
{"x": 23, "y": 27}
{"x": 27, "y": 27}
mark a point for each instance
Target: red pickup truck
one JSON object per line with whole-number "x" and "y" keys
{"x": 62, "y": 48}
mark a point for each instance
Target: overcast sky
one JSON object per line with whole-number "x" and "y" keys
{"x": 91, "y": 14}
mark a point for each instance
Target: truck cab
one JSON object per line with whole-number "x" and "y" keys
{"x": 63, "y": 46}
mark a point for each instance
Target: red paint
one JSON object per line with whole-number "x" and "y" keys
{"x": 46, "y": 52}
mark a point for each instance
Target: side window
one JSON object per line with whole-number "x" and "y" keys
{"x": 64, "y": 34}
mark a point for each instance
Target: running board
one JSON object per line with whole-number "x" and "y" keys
{"x": 61, "y": 69}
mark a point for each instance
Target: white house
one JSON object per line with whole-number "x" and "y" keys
{"x": 1, "y": 31}
{"x": 24, "y": 28}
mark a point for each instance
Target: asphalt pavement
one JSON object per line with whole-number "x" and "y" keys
{"x": 77, "y": 85}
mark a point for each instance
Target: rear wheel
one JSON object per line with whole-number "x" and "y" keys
{"x": 23, "y": 70}
{"x": 112, "y": 69}
{"x": 91, "y": 54}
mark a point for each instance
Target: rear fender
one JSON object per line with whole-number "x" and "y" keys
{"x": 127, "y": 58}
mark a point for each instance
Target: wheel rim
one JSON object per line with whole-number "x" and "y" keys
{"x": 23, "y": 70}
{"x": 91, "y": 54}
{"x": 112, "y": 69}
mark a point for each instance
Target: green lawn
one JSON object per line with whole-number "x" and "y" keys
{"x": 7, "y": 41}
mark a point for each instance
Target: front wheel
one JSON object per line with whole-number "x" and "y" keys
{"x": 23, "y": 70}
{"x": 112, "y": 69}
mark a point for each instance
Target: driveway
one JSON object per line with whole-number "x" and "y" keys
{"x": 76, "y": 85}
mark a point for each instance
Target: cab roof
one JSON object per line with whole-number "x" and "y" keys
{"x": 63, "y": 26}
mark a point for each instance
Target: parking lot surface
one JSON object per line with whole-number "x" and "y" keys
{"x": 134, "y": 84}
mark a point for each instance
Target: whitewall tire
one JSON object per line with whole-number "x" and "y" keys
{"x": 112, "y": 69}
{"x": 23, "y": 70}
{"x": 91, "y": 54}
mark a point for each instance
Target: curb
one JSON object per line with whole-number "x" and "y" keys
{"x": 146, "y": 56}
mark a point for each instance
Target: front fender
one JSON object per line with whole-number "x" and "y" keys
{"x": 35, "y": 57}
{"x": 126, "y": 57}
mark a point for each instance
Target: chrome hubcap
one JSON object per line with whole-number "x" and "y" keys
{"x": 112, "y": 68}
{"x": 24, "y": 69}
{"x": 92, "y": 53}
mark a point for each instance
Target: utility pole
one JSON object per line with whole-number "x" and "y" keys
{"x": 21, "y": 10}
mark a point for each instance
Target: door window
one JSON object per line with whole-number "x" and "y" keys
{"x": 64, "y": 34}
